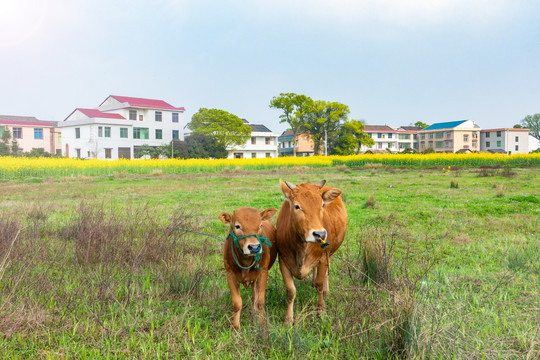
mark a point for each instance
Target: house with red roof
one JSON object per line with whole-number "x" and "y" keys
{"x": 118, "y": 126}
{"x": 32, "y": 133}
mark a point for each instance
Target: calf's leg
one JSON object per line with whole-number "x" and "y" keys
{"x": 234, "y": 287}
{"x": 259, "y": 291}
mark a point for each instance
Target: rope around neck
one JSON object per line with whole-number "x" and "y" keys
{"x": 257, "y": 257}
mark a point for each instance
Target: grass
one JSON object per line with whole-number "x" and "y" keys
{"x": 92, "y": 267}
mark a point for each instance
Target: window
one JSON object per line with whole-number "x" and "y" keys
{"x": 100, "y": 131}
{"x": 517, "y": 138}
{"x": 488, "y": 144}
{"x": 422, "y": 144}
{"x": 133, "y": 115}
{"x": 390, "y": 135}
{"x": 517, "y": 147}
{"x": 404, "y": 136}
{"x": 253, "y": 155}
{"x": 38, "y": 133}
{"x": 175, "y": 135}
{"x": 448, "y": 134}
{"x": 124, "y": 133}
{"x": 88, "y": 154}
{"x": 17, "y": 133}
{"x": 107, "y": 131}
{"x": 474, "y": 143}
{"x": 379, "y": 135}
{"x": 77, "y": 133}
{"x": 158, "y": 116}
{"x": 499, "y": 143}
{"x": 140, "y": 118}
{"x": 488, "y": 134}
{"x": 267, "y": 141}
{"x": 78, "y": 153}
{"x": 175, "y": 117}
{"x": 439, "y": 144}
{"x": 253, "y": 141}
{"x": 439, "y": 135}
{"x": 498, "y": 134}
{"x": 423, "y": 136}
{"x": 159, "y": 134}
{"x": 108, "y": 153}
{"x": 140, "y": 133}
{"x": 268, "y": 155}
{"x": 465, "y": 138}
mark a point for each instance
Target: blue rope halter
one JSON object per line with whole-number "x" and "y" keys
{"x": 257, "y": 257}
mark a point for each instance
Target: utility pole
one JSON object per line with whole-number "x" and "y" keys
{"x": 325, "y": 143}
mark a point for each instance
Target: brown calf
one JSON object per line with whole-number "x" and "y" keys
{"x": 247, "y": 257}
{"x": 312, "y": 216}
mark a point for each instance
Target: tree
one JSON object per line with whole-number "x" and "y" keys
{"x": 5, "y": 137}
{"x": 350, "y": 138}
{"x": 532, "y": 122}
{"x": 200, "y": 146}
{"x": 226, "y": 128}
{"x": 323, "y": 119}
{"x": 518, "y": 126}
{"x": 421, "y": 124}
{"x": 144, "y": 150}
{"x": 295, "y": 108}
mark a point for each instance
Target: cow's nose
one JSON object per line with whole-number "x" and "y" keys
{"x": 319, "y": 235}
{"x": 254, "y": 248}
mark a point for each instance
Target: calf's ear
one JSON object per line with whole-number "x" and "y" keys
{"x": 268, "y": 213}
{"x": 286, "y": 188}
{"x": 330, "y": 195}
{"x": 225, "y": 218}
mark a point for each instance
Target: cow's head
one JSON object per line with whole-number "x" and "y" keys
{"x": 247, "y": 221}
{"x": 307, "y": 202}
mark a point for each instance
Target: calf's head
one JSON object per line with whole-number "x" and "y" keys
{"x": 247, "y": 222}
{"x": 307, "y": 202}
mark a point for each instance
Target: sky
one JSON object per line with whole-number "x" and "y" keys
{"x": 392, "y": 62}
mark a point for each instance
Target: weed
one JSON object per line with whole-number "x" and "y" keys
{"x": 370, "y": 202}
{"x": 454, "y": 184}
{"x": 373, "y": 165}
{"x": 499, "y": 191}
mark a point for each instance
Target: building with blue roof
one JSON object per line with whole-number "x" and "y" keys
{"x": 450, "y": 136}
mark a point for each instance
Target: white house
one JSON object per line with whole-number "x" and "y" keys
{"x": 393, "y": 139}
{"x": 263, "y": 144}
{"x": 510, "y": 141}
{"x": 118, "y": 126}
{"x": 534, "y": 143}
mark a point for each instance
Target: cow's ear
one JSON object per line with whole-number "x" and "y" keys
{"x": 330, "y": 195}
{"x": 268, "y": 213}
{"x": 321, "y": 183}
{"x": 286, "y": 188}
{"x": 225, "y": 218}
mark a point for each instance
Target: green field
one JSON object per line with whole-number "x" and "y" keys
{"x": 95, "y": 267}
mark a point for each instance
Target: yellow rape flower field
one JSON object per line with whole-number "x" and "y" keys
{"x": 23, "y": 167}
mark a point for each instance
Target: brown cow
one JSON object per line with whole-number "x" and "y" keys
{"x": 247, "y": 257}
{"x": 313, "y": 216}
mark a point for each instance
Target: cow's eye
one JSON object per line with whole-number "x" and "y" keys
{"x": 237, "y": 227}
{"x": 297, "y": 207}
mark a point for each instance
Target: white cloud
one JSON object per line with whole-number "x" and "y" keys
{"x": 411, "y": 13}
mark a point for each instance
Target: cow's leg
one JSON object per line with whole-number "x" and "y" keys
{"x": 291, "y": 292}
{"x": 322, "y": 277}
{"x": 236, "y": 300}
{"x": 314, "y": 280}
{"x": 259, "y": 292}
